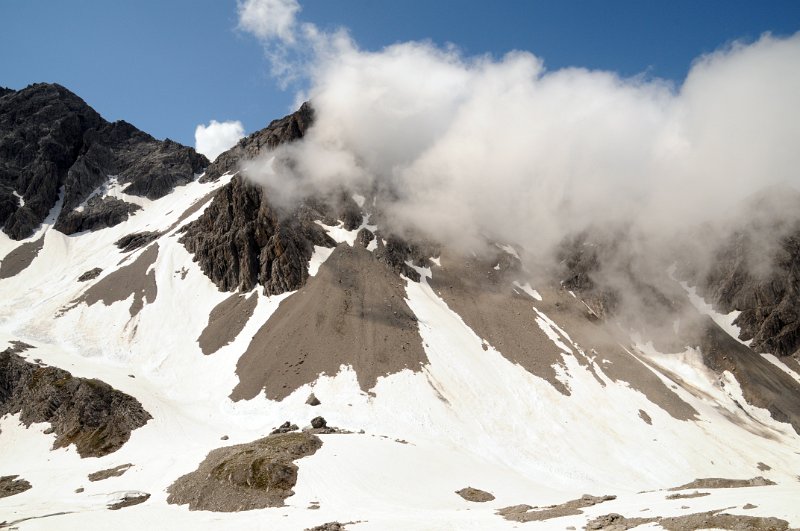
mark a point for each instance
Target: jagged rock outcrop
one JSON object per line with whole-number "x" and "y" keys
{"x": 97, "y": 418}
{"x": 243, "y": 239}
{"x": 50, "y": 140}
{"x": 11, "y": 485}
{"x": 286, "y": 129}
{"x": 247, "y": 476}
{"x": 769, "y": 303}
{"x": 97, "y": 213}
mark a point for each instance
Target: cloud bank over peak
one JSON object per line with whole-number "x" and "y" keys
{"x": 465, "y": 150}
{"x": 216, "y": 137}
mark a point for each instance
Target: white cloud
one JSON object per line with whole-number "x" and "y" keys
{"x": 216, "y": 137}
{"x": 464, "y": 149}
{"x": 269, "y": 19}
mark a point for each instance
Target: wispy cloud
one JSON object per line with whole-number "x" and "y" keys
{"x": 269, "y": 19}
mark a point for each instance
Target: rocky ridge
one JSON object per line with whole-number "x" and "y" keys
{"x": 51, "y": 142}
{"x": 243, "y": 239}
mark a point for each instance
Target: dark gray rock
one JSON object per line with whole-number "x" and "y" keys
{"x": 318, "y": 422}
{"x": 129, "y": 499}
{"x": 41, "y": 136}
{"x": 50, "y": 140}
{"x": 328, "y": 526}
{"x": 97, "y": 418}
{"x": 286, "y": 427}
{"x": 133, "y": 241}
{"x": 770, "y": 303}
{"x": 90, "y": 275}
{"x": 114, "y": 472}
{"x": 240, "y": 240}
{"x": 475, "y": 495}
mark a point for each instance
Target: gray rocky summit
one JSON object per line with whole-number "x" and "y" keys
{"x": 51, "y": 140}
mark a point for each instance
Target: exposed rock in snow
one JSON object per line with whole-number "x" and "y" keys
{"x": 722, "y": 483}
{"x": 135, "y": 279}
{"x": 475, "y": 495}
{"x": 131, "y": 242}
{"x": 245, "y": 476}
{"x": 241, "y": 241}
{"x": 109, "y": 472}
{"x": 90, "y": 274}
{"x": 526, "y": 513}
{"x": 128, "y": 499}
{"x": 11, "y": 485}
{"x": 88, "y": 413}
{"x": 312, "y": 400}
{"x": 97, "y": 213}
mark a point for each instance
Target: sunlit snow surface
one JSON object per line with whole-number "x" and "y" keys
{"x": 470, "y": 417}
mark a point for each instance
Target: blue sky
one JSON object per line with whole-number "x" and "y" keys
{"x": 167, "y": 66}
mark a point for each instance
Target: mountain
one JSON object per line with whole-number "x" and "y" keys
{"x": 55, "y": 148}
{"x": 182, "y": 350}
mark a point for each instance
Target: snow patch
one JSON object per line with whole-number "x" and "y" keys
{"x": 528, "y": 289}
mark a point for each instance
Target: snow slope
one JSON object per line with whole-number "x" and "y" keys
{"x": 470, "y": 417}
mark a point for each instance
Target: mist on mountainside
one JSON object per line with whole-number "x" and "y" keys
{"x": 470, "y": 151}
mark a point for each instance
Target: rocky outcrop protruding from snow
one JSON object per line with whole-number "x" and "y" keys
{"x": 129, "y": 499}
{"x": 769, "y": 303}
{"x": 91, "y": 414}
{"x": 97, "y": 213}
{"x": 287, "y": 129}
{"x": 526, "y": 513}
{"x": 114, "y": 472}
{"x": 241, "y": 240}
{"x": 11, "y": 485}
{"x": 695, "y": 521}
{"x": 328, "y": 526}
{"x": 90, "y": 274}
{"x": 247, "y": 476}
{"x": 475, "y": 495}
{"x": 133, "y": 241}
{"x": 723, "y": 483}
{"x": 51, "y": 140}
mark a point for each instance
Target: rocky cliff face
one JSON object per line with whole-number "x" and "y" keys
{"x": 287, "y": 129}
{"x": 51, "y": 140}
{"x": 243, "y": 240}
{"x": 769, "y": 303}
